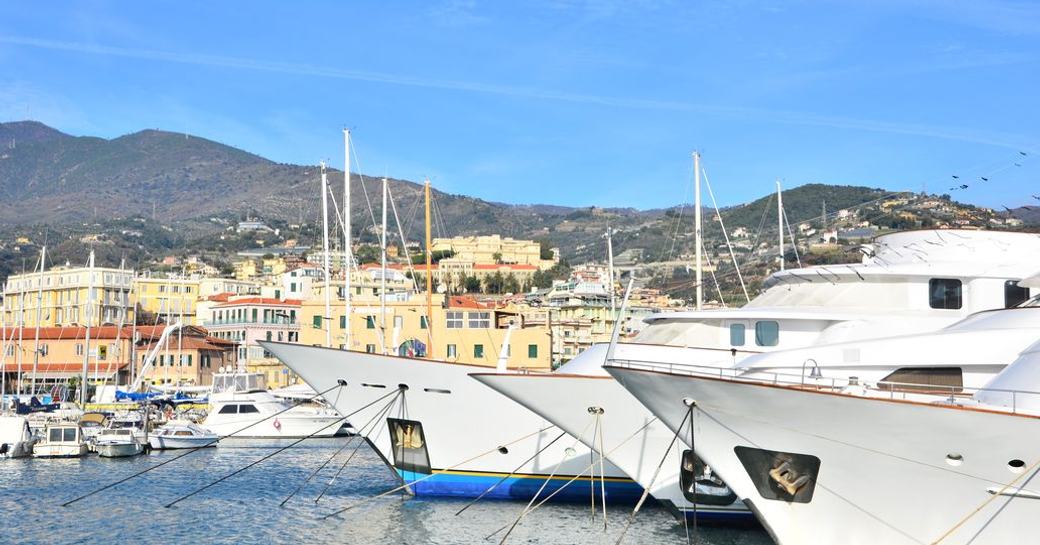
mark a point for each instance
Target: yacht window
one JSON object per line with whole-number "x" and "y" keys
{"x": 767, "y": 333}
{"x": 182, "y": 433}
{"x": 736, "y": 334}
{"x": 944, "y": 293}
{"x": 55, "y": 435}
{"x": 944, "y": 378}
{"x": 69, "y": 434}
{"x": 247, "y": 409}
{"x": 228, "y": 409}
{"x": 1014, "y": 294}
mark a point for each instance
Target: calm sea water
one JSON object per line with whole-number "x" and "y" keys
{"x": 244, "y": 508}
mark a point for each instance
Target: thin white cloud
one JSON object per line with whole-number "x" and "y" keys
{"x": 1012, "y": 141}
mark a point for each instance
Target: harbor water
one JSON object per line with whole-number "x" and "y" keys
{"x": 245, "y": 508}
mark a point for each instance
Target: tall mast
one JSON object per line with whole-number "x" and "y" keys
{"x": 348, "y": 254}
{"x": 610, "y": 269}
{"x": 429, "y": 276}
{"x": 3, "y": 359}
{"x": 90, "y": 316}
{"x": 697, "y": 224}
{"x": 382, "y": 276}
{"x": 780, "y": 220}
{"x": 21, "y": 332}
{"x": 39, "y": 316}
{"x": 325, "y": 247}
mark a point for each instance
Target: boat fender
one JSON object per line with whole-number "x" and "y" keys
{"x": 277, "y": 425}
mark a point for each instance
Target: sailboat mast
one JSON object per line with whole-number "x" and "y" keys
{"x": 429, "y": 276}
{"x": 348, "y": 253}
{"x": 780, "y": 220}
{"x": 610, "y": 269}
{"x": 86, "y": 344}
{"x": 382, "y": 276}
{"x": 697, "y": 224}
{"x": 39, "y": 316}
{"x": 325, "y": 247}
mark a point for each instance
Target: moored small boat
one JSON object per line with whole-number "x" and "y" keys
{"x": 181, "y": 434}
{"x": 16, "y": 440}
{"x": 61, "y": 440}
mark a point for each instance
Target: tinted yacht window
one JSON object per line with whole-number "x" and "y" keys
{"x": 1014, "y": 294}
{"x": 736, "y": 334}
{"x": 767, "y": 333}
{"x": 944, "y": 293}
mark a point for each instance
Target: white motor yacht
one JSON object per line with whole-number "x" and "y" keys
{"x": 61, "y": 440}
{"x": 241, "y": 407}
{"x": 854, "y": 462}
{"x": 16, "y": 439}
{"x": 182, "y": 434}
{"x": 908, "y": 282}
{"x": 118, "y": 443}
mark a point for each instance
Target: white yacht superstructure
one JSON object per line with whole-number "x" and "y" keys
{"x": 860, "y": 462}
{"x": 242, "y": 408}
{"x": 908, "y": 282}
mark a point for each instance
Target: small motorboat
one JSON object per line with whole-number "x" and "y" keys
{"x": 118, "y": 443}
{"x": 16, "y": 440}
{"x": 181, "y": 434}
{"x": 240, "y": 406}
{"x": 61, "y": 440}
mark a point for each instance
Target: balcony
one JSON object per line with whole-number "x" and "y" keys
{"x": 272, "y": 322}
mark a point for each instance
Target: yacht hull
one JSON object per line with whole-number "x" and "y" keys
{"x": 886, "y": 471}
{"x": 19, "y": 449}
{"x": 633, "y": 439}
{"x": 168, "y": 443}
{"x": 119, "y": 450}
{"x": 59, "y": 451}
{"x": 463, "y": 439}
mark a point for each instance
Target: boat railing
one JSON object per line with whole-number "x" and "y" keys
{"x": 1009, "y": 399}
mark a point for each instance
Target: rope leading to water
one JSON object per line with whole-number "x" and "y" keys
{"x": 339, "y": 451}
{"x": 431, "y": 475}
{"x": 276, "y": 452}
{"x": 339, "y": 384}
{"x": 653, "y": 479}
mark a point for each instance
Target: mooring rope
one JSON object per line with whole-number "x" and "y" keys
{"x": 653, "y": 479}
{"x": 339, "y": 384}
{"x": 693, "y": 473}
{"x": 377, "y": 422}
{"x": 577, "y": 476}
{"x": 402, "y": 487}
{"x": 339, "y": 451}
{"x": 511, "y": 473}
{"x": 545, "y": 482}
{"x": 981, "y": 506}
{"x": 276, "y": 452}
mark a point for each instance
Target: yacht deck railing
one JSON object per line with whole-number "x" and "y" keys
{"x": 931, "y": 393}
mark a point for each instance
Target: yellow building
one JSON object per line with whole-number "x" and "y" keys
{"x": 190, "y": 357}
{"x": 176, "y": 297}
{"x": 64, "y": 299}
{"x": 493, "y": 249}
{"x": 464, "y": 331}
{"x": 246, "y": 270}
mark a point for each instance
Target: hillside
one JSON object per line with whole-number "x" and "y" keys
{"x": 154, "y": 193}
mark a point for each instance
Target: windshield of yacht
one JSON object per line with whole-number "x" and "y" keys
{"x": 239, "y": 382}
{"x": 821, "y": 290}
{"x": 679, "y": 333}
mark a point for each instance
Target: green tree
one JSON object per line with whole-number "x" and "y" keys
{"x": 497, "y": 256}
{"x": 471, "y": 284}
{"x": 510, "y": 284}
{"x": 545, "y": 249}
{"x": 494, "y": 283}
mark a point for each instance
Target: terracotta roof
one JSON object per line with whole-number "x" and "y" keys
{"x": 41, "y": 367}
{"x": 464, "y": 301}
{"x": 79, "y": 332}
{"x": 267, "y": 301}
{"x": 220, "y": 297}
{"x": 195, "y": 343}
{"x": 502, "y": 266}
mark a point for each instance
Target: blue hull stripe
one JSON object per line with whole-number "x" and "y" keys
{"x": 463, "y": 485}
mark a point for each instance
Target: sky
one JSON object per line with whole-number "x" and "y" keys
{"x": 570, "y": 102}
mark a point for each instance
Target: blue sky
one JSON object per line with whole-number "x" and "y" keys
{"x": 596, "y": 102}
